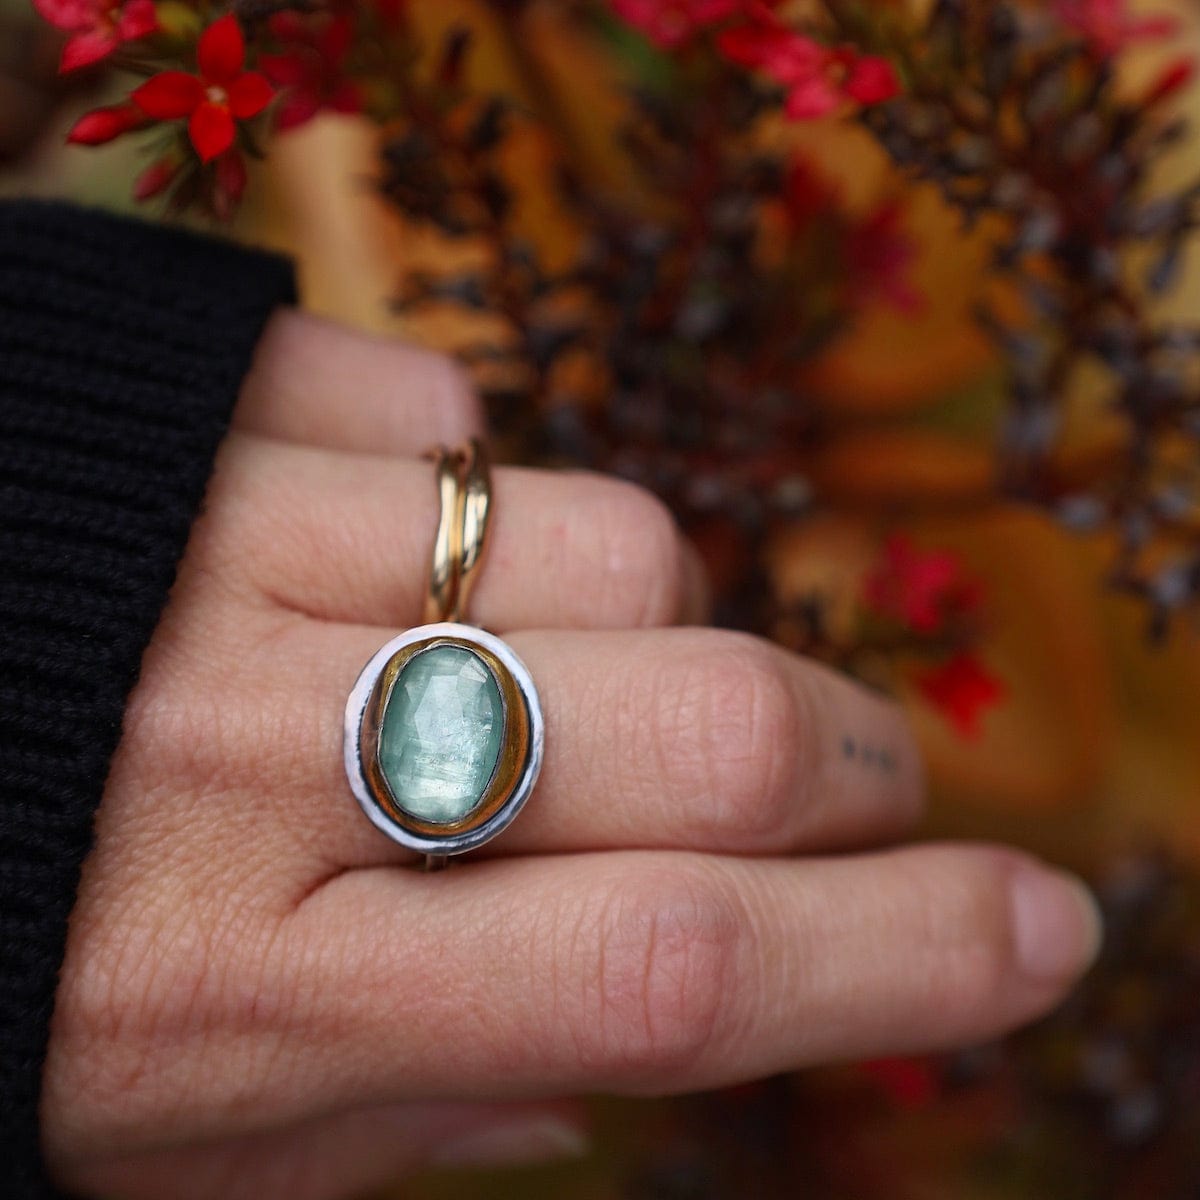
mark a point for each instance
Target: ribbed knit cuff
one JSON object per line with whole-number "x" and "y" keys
{"x": 122, "y": 350}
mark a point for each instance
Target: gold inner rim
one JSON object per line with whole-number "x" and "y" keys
{"x": 514, "y": 741}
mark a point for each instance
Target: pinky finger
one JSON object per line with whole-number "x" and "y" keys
{"x": 345, "y": 1154}
{"x": 320, "y": 384}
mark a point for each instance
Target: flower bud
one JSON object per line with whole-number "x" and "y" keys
{"x": 102, "y": 125}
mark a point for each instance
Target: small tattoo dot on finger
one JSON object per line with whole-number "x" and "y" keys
{"x": 870, "y": 756}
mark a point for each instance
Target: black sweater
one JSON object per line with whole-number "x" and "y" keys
{"x": 122, "y": 349}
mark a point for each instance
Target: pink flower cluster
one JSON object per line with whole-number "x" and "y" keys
{"x": 1108, "y": 26}
{"x": 818, "y": 79}
{"x": 927, "y": 592}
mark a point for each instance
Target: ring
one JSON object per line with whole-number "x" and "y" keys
{"x": 444, "y": 732}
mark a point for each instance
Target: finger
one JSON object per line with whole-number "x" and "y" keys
{"x": 650, "y": 972}
{"x": 344, "y": 1155}
{"x": 349, "y": 538}
{"x": 685, "y": 738}
{"x": 325, "y": 385}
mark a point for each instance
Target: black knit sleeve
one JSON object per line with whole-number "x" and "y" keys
{"x": 122, "y": 349}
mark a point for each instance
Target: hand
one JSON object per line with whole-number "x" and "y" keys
{"x": 260, "y": 1000}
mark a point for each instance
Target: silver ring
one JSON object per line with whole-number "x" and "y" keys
{"x": 443, "y": 738}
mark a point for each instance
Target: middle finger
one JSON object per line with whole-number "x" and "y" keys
{"x": 349, "y": 538}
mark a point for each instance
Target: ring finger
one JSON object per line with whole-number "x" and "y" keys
{"x": 683, "y": 738}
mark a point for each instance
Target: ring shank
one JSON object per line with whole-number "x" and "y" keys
{"x": 465, "y": 501}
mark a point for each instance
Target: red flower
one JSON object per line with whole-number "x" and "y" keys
{"x": 671, "y": 23}
{"x": 808, "y": 195}
{"x": 818, "y": 79}
{"x": 103, "y": 124}
{"x": 1109, "y": 26}
{"x": 909, "y": 1083}
{"x": 311, "y": 68}
{"x": 97, "y": 27}
{"x": 962, "y": 689}
{"x": 788, "y": 57}
{"x": 918, "y": 588}
{"x": 223, "y": 92}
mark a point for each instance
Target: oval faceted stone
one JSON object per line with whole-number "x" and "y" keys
{"x": 441, "y": 733}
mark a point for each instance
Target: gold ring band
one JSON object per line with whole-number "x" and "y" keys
{"x": 465, "y": 500}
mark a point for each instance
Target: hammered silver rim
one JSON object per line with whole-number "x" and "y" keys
{"x": 352, "y": 742}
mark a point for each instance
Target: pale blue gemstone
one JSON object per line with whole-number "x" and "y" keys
{"x": 441, "y": 734}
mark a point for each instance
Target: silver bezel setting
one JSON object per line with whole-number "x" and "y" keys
{"x": 356, "y": 706}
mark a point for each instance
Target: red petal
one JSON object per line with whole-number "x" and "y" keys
{"x": 286, "y": 70}
{"x": 1153, "y": 28}
{"x": 347, "y": 99}
{"x": 222, "y": 51}
{"x": 169, "y": 95}
{"x": 813, "y": 98}
{"x": 393, "y": 13}
{"x": 138, "y": 20}
{"x": 872, "y": 81}
{"x": 963, "y": 689}
{"x": 334, "y": 44}
{"x": 743, "y": 44}
{"x": 103, "y": 124}
{"x": 211, "y": 130}
{"x": 287, "y": 27}
{"x": 155, "y": 179}
{"x": 231, "y": 175}
{"x": 298, "y": 107}
{"x": 84, "y": 49}
{"x": 1174, "y": 78}
{"x": 249, "y": 95}
{"x": 229, "y": 184}
{"x": 910, "y": 1083}
{"x": 71, "y": 15}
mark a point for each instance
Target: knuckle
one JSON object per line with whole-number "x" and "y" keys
{"x": 665, "y": 948}
{"x": 146, "y": 1001}
{"x": 199, "y": 733}
{"x": 640, "y": 555}
{"x": 120, "y": 999}
{"x": 733, "y": 725}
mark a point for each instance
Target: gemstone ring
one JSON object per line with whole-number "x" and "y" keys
{"x": 444, "y": 732}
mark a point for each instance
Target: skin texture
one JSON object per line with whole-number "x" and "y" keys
{"x": 261, "y": 998}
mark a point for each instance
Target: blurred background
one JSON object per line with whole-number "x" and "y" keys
{"x": 918, "y": 366}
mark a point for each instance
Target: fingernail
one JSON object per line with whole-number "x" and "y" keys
{"x": 1057, "y": 927}
{"x": 536, "y": 1140}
